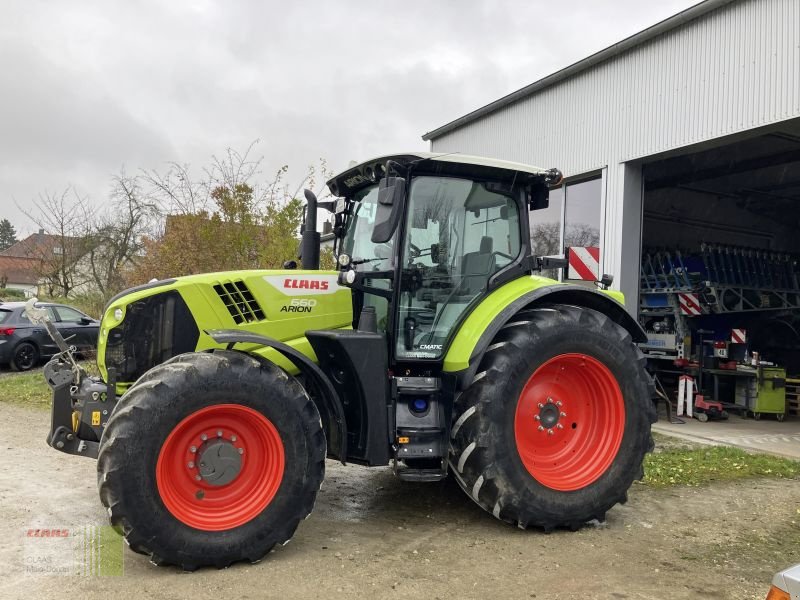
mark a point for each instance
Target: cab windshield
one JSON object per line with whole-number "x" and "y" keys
{"x": 457, "y": 234}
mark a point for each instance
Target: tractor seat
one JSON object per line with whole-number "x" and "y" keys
{"x": 477, "y": 267}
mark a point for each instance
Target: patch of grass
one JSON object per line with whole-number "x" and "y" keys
{"x": 30, "y": 390}
{"x": 26, "y": 389}
{"x": 701, "y": 466}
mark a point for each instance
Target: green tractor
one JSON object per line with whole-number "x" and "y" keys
{"x": 434, "y": 348}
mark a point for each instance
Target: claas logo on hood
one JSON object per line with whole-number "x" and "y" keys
{"x": 305, "y": 284}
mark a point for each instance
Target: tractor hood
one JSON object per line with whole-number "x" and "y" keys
{"x": 146, "y": 325}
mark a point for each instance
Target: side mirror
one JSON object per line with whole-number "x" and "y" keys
{"x": 391, "y": 201}
{"x": 539, "y": 196}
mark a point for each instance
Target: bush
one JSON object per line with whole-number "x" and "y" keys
{"x": 11, "y": 294}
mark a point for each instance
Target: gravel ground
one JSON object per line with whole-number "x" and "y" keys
{"x": 376, "y": 537}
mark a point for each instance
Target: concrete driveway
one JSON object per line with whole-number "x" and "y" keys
{"x": 765, "y": 435}
{"x": 372, "y": 536}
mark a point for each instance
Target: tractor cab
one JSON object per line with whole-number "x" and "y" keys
{"x": 423, "y": 239}
{"x": 425, "y": 236}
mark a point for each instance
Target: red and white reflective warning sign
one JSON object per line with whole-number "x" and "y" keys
{"x": 690, "y": 304}
{"x": 584, "y": 262}
{"x": 738, "y": 336}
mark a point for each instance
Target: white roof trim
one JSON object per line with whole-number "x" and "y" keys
{"x": 457, "y": 157}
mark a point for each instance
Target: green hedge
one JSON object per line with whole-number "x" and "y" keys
{"x": 11, "y": 294}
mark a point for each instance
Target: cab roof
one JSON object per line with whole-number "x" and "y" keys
{"x": 452, "y": 163}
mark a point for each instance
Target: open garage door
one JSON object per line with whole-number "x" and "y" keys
{"x": 720, "y": 270}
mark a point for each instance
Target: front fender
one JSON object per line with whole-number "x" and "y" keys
{"x": 480, "y": 327}
{"x": 329, "y": 404}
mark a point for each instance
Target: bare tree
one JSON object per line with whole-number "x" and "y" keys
{"x": 175, "y": 190}
{"x": 546, "y": 238}
{"x": 581, "y": 235}
{"x": 118, "y": 234}
{"x": 66, "y": 219}
{"x": 229, "y": 218}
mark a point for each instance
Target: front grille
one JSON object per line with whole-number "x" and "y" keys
{"x": 155, "y": 329}
{"x": 239, "y": 302}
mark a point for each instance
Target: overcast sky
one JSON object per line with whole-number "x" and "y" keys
{"x": 87, "y": 87}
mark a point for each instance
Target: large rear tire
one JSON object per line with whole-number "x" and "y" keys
{"x": 554, "y": 428}
{"x": 210, "y": 459}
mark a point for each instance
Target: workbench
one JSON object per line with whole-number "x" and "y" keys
{"x": 717, "y": 373}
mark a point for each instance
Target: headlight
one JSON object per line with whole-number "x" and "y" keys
{"x": 118, "y": 314}
{"x": 344, "y": 260}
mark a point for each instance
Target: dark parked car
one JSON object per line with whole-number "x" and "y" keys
{"x": 23, "y": 344}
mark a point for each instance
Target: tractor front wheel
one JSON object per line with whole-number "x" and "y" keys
{"x": 554, "y": 428}
{"x": 210, "y": 459}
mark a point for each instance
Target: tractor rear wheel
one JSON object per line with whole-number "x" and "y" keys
{"x": 554, "y": 428}
{"x": 210, "y": 459}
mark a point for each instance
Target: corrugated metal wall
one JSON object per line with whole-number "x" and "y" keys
{"x": 733, "y": 69}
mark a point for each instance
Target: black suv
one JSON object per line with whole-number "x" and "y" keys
{"x": 23, "y": 344}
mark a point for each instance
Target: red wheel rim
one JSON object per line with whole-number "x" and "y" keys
{"x": 202, "y": 504}
{"x": 569, "y": 422}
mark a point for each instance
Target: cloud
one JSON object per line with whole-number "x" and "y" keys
{"x": 90, "y": 86}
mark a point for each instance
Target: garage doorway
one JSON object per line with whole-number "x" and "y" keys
{"x": 720, "y": 263}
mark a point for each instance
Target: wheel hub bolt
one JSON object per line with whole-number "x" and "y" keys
{"x": 193, "y": 449}
{"x": 549, "y": 400}
{"x": 198, "y": 478}
{"x": 190, "y": 465}
{"x": 540, "y": 405}
{"x": 563, "y": 414}
{"x": 241, "y": 450}
{"x": 233, "y": 438}
{"x": 558, "y": 402}
{"x": 204, "y": 437}
{"x": 549, "y": 432}
{"x": 219, "y": 433}
{"x": 541, "y": 428}
{"x": 560, "y": 426}
{"x": 537, "y": 417}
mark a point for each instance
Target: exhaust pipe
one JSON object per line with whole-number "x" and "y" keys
{"x": 309, "y": 244}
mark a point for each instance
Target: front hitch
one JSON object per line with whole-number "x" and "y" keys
{"x": 81, "y": 404}
{"x": 81, "y": 408}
